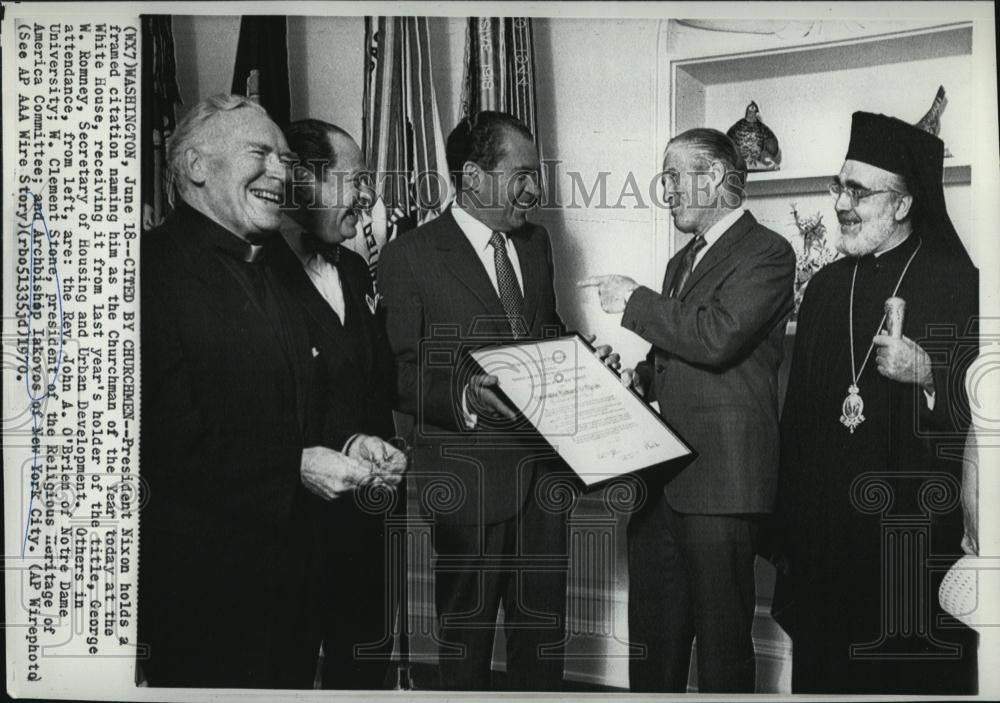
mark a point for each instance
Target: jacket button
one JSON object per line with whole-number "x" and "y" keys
{"x": 660, "y": 368}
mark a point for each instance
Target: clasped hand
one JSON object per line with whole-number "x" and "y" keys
{"x": 631, "y": 379}
{"x": 903, "y": 360}
{"x": 330, "y": 474}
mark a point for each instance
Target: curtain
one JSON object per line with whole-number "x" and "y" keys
{"x": 261, "y": 70}
{"x": 402, "y": 140}
{"x": 500, "y": 68}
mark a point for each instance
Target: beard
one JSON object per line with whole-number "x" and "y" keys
{"x": 869, "y": 236}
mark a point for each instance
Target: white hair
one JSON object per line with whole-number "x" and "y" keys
{"x": 185, "y": 134}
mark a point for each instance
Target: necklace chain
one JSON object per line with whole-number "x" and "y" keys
{"x": 856, "y": 374}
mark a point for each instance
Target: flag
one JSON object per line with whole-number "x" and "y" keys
{"x": 402, "y": 140}
{"x": 261, "y": 70}
{"x": 159, "y": 96}
{"x": 500, "y": 68}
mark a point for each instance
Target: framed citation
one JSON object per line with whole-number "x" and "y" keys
{"x": 600, "y": 428}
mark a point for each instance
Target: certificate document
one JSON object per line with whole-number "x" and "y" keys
{"x": 579, "y": 405}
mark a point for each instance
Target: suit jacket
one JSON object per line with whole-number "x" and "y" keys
{"x": 225, "y": 415}
{"x": 226, "y": 405}
{"x": 713, "y": 366}
{"x": 357, "y": 368}
{"x": 440, "y": 305}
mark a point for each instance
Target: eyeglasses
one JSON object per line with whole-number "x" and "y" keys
{"x": 855, "y": 193}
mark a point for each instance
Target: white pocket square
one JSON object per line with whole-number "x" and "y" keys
{"x": 315, "y": 352}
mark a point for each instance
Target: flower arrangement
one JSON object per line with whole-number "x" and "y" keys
{"x": 815, "y": 253}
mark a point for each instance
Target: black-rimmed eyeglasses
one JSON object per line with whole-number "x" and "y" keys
{"x": 855, "y": 193}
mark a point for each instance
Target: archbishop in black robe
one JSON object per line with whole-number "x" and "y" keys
{"x": 870, "y": 521}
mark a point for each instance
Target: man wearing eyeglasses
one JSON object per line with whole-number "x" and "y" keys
{"x": 872, "y": 432}
{"x": 326, "y": 194}
{"x": 717, "y": 332}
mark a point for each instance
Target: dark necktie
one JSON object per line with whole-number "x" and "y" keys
{"x": 329, "y": 252}
{"x": 687, "y": 266}
{"x": 510, "y": 292}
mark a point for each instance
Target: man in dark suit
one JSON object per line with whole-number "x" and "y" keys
{"x": 716, "y": 332}
{"x": 873, "y": 425}
{"x": 482, "y": 274}
{"x": 231, "y": 454}
{"x": 334, "y": 289}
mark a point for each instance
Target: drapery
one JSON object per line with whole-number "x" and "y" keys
{"x": 261, "y": 69}
{"x": 402, "y": 139}
{"x": 500, "y": 68}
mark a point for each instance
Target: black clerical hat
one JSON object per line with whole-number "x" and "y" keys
{"x": 918, "y": 156}
{"x": 894, "y": 145}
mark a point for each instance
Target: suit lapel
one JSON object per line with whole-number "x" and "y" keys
{"x": 355, "y": 290}
{"x": 675, "y": 261}
{"x": 226, "y": 293}
{"x": 310, "y": 298}
{"x": 718, "y": 252}
{"x": 532, "y": 275}
{"x": 463, "y": 262}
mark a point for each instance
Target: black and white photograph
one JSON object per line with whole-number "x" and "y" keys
{"x": 527, "y": 348}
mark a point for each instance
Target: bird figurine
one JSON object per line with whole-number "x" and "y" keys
{"x": 931, "y": 122}
{"x": 756, "y": 141}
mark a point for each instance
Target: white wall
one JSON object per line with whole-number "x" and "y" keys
{"x": 596, "y": 113}
{"x": 326, "y": 69}
{"x": 325, "y": 58}
{"x": 205, "y": 49}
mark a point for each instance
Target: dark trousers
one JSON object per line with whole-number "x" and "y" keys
{"x": 211, "y": 618}
{"x": 520, "y": 563}
{"x": 691, "y": 576}
{"x": 357, "y": 612}
{"x": 821, "y": 664}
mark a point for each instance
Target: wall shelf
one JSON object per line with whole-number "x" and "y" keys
{"x": 875, "y": 50}
{"x": 768, "y": 183}
{"x": 807, "y": 93}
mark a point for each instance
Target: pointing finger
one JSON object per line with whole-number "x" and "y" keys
{"x": 592, "y": 281}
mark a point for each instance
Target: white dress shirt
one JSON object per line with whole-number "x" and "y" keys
{"x": 324, "y": 275}
{"x": 716, "y": 231}
{"x": 479, "y": 236}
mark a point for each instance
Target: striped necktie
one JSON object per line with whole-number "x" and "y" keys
{"x": 510, "y": 291}
{"x": 687, "y": 266}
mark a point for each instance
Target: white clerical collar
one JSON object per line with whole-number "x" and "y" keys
{"x": 293, "y": 232}
{"x": 720, "y": 227}
{"x": 902, "y": 241}
{"x": 478, "y": 234}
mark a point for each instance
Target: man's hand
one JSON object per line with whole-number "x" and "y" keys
{"x": 483, "y": 399}
{"x": 604, "y": 353}
{"x": 630, "y": 379}
{"x": 613, "y": 290}
{"x": 331, "y": 474}
{"x": 904, "y": 361}
{"x": 386, "y": 461}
